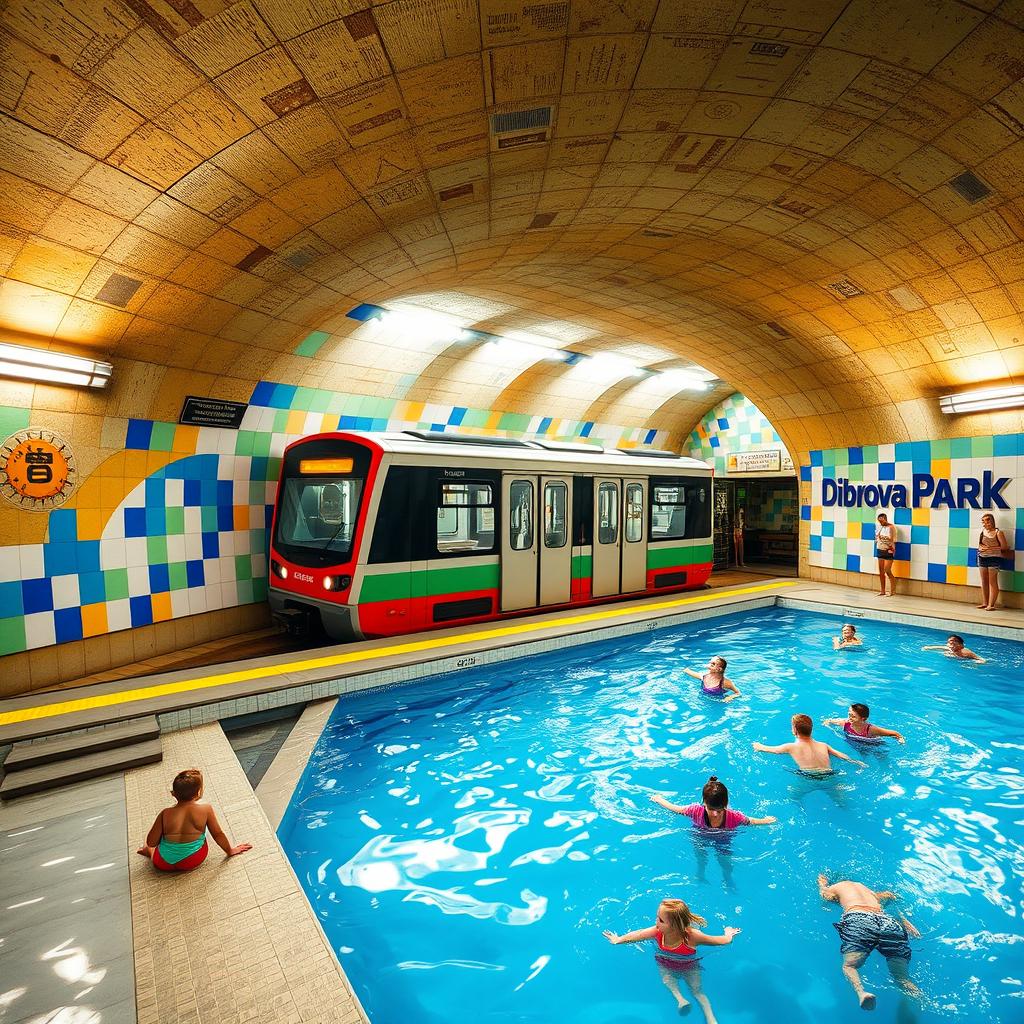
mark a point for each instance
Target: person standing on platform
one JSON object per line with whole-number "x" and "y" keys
{"x": 885, "y": 552}
{"x": 992, "y": 549}
{"x": 737, "y": 538}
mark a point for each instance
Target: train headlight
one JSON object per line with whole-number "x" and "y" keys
{"x": 279, "y": 570}
{"x": 337, "y": 582}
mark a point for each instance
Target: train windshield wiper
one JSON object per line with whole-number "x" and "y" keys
{"x": 333, "y": 536}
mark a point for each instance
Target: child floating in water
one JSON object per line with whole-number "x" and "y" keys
{"x": 863, "y": 927}
{"x": 713, "y": 682}
{"x": 954, "y": 648}
{"x": 177, "y": 840}
{"x": 677, "y": 954}
{"x": 810, "y": 755}
{"x": 847, "y": 638}
{"x": 714, "y": 812}
{"x": 857, "y": 727}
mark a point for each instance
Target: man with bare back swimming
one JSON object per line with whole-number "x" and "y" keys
{"x": 865, "y": 926}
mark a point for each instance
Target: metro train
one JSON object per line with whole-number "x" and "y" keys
{"x": 381, "y": 534}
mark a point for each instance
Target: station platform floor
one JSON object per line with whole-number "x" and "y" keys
{"x": 237, "y": 941}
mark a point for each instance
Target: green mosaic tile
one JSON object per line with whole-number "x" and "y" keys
{"x": 870, "y": 454}
{"x": 855, "y": 473}
{"x": 156, "y": 549}
{"x": 1016, "y": 582}
{"x": 274, "y": 468}
{"x": 828, "y": 457}
{"x": 281, "y": 421}
{"x": 243, "y": 567}
{"x": 12, "y": 632}
{"x": 960, "y": 448}
{"x": 337, "y": 404}
{"x": 175, "y": 520}
{"x": 244, "y": 590}
{"x": 959, "y": 537}
{"x": 258, "y": 542}
{"x": 11, "y": 421}
{"x": 261, "y": 442}
{"x": 257, "y": 492}
{"x": 259, "y": 588}
{"x": 476, "y": 418}
{"x": 982, "y": 447}
{"x": 208, "y": 519}
{"x": 303, "y": 398}
{"x": 115, "y": 584}
{"x": 321, "y": 401}
{"x": 942, "y": 449}
{"x": 956, "y": 555}
{"x": 312, "y": 343}
{"x": 243, "y": 442}
{"x": 839, "y": 547}
{"x": 178, "y": 575}
{"x": 162, "y": 438}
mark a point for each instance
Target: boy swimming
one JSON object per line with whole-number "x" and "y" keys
{"x": 809, "y": 755}
{"x": 863, "y": 927}
{"x": 847, "y": 638}
{"x": 713, "y": 682}
{"x": 857, "y": 727}
{"x": 177, "y": 840}
{"x": 954, "y": 648}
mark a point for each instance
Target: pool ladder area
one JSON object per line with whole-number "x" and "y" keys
{"x": 32, "y": 766}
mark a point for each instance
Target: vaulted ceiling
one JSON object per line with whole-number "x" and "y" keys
{"x": 819, "y": 201}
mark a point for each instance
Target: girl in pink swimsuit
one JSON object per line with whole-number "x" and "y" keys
{"x": 713, "y": 812}
{"x": 857, "y": 728}
{"x": 676, "y": 956}
{"x": 713, "y": 682}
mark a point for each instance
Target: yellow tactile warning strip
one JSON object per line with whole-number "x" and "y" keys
{"x": 351, "y": 657}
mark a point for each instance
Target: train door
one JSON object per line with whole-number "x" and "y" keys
{"x": 605, "y": 569}
{"x": 634, "y": 536}
{"x": 519, "y": 546}
{"x": 556, "y": 551}
{"x": 536, "y": 558}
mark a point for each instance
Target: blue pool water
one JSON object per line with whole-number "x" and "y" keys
{"x": 465, "y": 841}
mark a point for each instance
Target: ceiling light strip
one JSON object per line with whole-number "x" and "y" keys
{"x": 45, "y": 367}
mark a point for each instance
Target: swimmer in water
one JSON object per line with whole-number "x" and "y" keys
{"x": 954, "y": 648}
{"x": 713, "y": 812}
{"x": 809, "y": 755}
{"x": 863, "y": 927}
{"x": 713, "y": 682}
{"x": 676, "y": 955}
{"x": 847, "y": 638}
{"x": 857, "y": 727}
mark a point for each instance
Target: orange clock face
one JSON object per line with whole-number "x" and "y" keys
{"x": 37, "y": 470}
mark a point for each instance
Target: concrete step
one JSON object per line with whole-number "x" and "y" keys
{"x": 66, "y": 745}
{"x": 77, "y": 769}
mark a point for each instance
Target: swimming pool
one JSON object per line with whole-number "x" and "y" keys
{"x": 465, "y": 840}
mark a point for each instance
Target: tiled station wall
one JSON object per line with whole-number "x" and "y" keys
{"x": 936, "y": 547}
{"x": 734, "y": 425}
{"x": 175, "y": 522}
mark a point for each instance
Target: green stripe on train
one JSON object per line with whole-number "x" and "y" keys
{"x": 664, "y": 557}
{"x": 393, "y": 586}
{"x": 582, "y": 567}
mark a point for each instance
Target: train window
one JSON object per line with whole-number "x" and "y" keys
{"x": 634, "y": 512}
{"x": 520, "y": 515}
{"x": 465, "y": 517}
{"x": 607, "y": 513}
{"x": 556, "y": 501}
{"x": 680, "y": 509}
{"x": 319, "y": 513}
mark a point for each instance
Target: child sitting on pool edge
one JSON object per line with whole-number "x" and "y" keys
{"x": 714, "y": 812}
{"x": 177, "y": 840}
{"x": 713, "y": 682}
{"x": 857, "y": 727}
{"x": 677, "y": 941}
{"x": 810, "y": 755}
{"x": 847, "y": 637}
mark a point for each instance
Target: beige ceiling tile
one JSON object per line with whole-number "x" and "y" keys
{"x": 267, "y": 86}
{"x": 600, "y": 16}
{"x": 370, "y": 112}
{"x": 226, "y": 39}
{"x": 31, "y": 308}
{"x": 678, "y": 61}
{"x": 82, "y": 227}
{"x": 503, "y": 22}
{"x": 417, "y": 32}
{"x": 145, "y": 250}
{"x": 154, "y": 157}
{"x": 440, "y": 90}
{"x": 51, "y": 265}
{"x": 340, "y": 55}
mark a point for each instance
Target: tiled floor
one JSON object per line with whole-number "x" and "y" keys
{"x": 65, "y": 912}
{"x": 236, "y": 940}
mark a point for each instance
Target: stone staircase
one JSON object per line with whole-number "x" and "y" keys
{"x": 32, "y": 766}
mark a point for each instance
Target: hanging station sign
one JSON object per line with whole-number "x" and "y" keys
{"x": 768, "y": 460}
{"x": 37, "y": 470}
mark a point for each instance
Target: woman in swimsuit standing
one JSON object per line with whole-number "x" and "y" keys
{"x": 885, "y": 552}
{"x": 992, "y": 548}
{"x": 737, "y": 538}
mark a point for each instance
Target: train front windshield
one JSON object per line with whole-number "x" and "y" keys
{"x": 318, "y": 514}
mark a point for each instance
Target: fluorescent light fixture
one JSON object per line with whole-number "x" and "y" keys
{"x": 505, "y": 346}
{"x": 45, "y": 367}
{"x": 983, "y": 399}
{"x": 421, "y": 327}
{"x": 683, "y": 380}
{"x": 608, "y": 362}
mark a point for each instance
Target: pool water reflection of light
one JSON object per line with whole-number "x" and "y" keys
{"x": 466, "y": 840}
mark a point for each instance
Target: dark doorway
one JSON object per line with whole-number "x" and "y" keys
{"x": 771, "y": 522}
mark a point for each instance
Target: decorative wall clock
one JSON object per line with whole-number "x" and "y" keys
{"x": 37, "y": 470}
